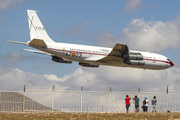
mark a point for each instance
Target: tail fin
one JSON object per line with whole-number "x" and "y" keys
{"x": 36, "y": 28}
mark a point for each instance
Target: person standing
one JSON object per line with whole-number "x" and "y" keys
{"x": 145, "y": 105}
{"x": 136, "y": 103}
{"x": 153, "y": 101}
{"x": 127, "y": 101}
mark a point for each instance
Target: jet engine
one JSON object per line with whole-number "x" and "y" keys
{"x": 133, "y": 56}
{"x": 60, "y": 60}
{"x": 134, "y": 62}
{"x": 88, "y": 65}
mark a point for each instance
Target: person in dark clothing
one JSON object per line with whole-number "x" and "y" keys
{"x": 136, "y": 103}
{"x": 145, "y": 105}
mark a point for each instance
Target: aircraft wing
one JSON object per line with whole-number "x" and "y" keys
{"x": 116, "y": 53}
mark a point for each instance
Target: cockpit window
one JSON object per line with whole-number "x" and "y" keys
{"x": 171, "y": 63}
{"x": 169, "y": 60}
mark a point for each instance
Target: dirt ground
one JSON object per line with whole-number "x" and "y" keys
{"x": 89, "y": 116}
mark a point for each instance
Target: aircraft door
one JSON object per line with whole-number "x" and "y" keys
{"x": 154, "y": 59}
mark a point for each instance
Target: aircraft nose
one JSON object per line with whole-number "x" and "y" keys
{"x": 171, "y": 63}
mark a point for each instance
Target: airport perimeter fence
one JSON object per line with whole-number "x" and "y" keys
{"x": 83, "y": 101}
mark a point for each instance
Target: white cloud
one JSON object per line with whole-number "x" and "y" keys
{"x": 14, "y": 58}
{"x": 154, "y": 36}
{"x": 14, "y": 79}
{"x": 102, "y": 78}
{"x": 4, "y": 4}
{"x": 66, "y": 77}
{"x": 130, "y": 78}
{"x": 132, "y": 5}
{"x": 107, "y": 40}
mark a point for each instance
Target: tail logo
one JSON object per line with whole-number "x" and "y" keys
{"x": 35, "y": 27}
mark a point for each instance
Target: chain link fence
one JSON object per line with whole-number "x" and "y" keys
{"x": 83, "y": 101}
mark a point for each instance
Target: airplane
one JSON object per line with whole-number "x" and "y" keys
{"x": 90, "y": 56}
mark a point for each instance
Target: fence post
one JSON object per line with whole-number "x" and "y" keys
{"x": 167, "y": 99}
{"x": 0, "y": 101}
{"x": 138, "y": 91}
{"x": 52, "y": 97}
{"x": 24, "y": 96}
{"x": 81, "y": 97}
{"x": 110, "y": 99}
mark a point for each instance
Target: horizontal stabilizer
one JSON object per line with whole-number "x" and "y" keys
{"x": 36, "y": 51}
{"x": 17, "y": 42}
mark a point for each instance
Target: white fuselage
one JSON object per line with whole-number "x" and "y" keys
{"x": 91, "y": 55}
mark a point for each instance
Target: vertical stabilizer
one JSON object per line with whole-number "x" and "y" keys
{"x": 36, "y": 28}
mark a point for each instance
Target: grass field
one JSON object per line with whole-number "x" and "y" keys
{"x": 89, "y": 116}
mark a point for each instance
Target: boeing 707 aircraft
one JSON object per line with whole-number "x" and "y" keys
{"x": 90, "y": 56}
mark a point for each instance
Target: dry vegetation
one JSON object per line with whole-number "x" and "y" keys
{"x": 89, "y": 116}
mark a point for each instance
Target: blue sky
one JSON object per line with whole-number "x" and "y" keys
{"x": 141, "y": 24}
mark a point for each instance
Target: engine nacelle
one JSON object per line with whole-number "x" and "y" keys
{"x": 129, "y": 56}
{"x": 60, "y": 60}
{"x": 134, "y": 62}
{"x": 88, "y": 65}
